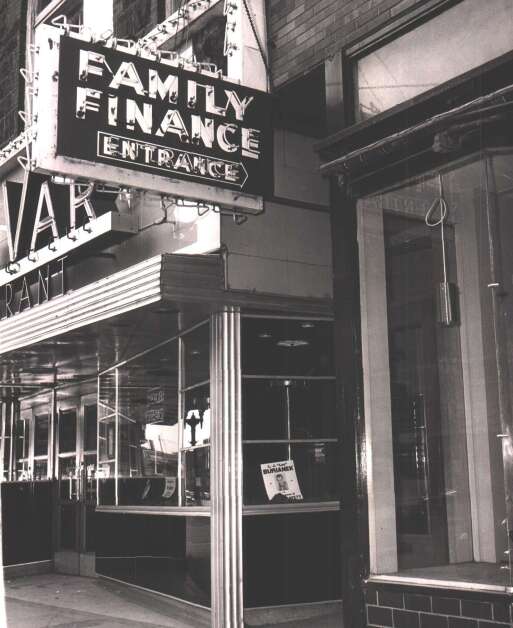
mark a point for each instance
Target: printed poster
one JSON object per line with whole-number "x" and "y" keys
{"x": 280, "y": 479}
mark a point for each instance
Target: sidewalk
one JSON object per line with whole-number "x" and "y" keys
{"x": 61, "y": 601}
{"x": 56, "y": 600}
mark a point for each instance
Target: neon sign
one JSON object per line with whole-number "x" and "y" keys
{"x": 142, "y": 114}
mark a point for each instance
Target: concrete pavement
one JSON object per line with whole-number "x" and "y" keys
{"x": 61, "y": 601}
{"x": 56, "y": 600}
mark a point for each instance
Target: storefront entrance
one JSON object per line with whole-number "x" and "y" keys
{"x": 140, "y": 424}
{"x": 75, "y": 497}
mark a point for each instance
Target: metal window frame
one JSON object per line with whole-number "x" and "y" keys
{"x": 28, "y": 416}
{"x": 187, "y": 510}
{"x": 269, "y": 509}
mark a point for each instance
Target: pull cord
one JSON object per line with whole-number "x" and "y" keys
{"x": 441, "y": 203}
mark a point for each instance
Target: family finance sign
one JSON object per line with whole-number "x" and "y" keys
{"x": 120, "y": 109}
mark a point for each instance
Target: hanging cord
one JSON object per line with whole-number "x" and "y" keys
{"x": 257, "y": 38}
{"x": 442, "y": 204}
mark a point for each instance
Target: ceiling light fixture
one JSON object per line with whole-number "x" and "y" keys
{"x": 292, "y": 344}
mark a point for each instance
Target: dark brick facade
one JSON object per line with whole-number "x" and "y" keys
{"x": 12, "y": 58}
{"x": 303, "y": 33}
{"x": 398, "y": 606}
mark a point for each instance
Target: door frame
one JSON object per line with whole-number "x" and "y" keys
{"x": 78, "y": 560}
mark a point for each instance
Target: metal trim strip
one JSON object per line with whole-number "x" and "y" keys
{"x": 128, "y": 289}
{"x": 153, "y": 592}
{"x": 286, "y": 509}
{"x": 442, "y": 584}
{"x": 173, "y": 511}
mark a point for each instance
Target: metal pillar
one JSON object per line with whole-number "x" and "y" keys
{"x": 226, "y": 470}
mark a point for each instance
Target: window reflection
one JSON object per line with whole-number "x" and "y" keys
{"x": 286, "y": 347}
{"x": 153, "y": 434}
{"x": 67, "y": 430}
{"x": 196, "y": 355}
{"x": 41, "y": 435}
{"x": 23, "y": 471}
{"x": 196, "y": 430}
{"x": 432, "y": 54}
{"x": 197, "y": 477}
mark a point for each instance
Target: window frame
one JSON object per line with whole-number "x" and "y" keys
{"x": 383, "y": 543}
{"x": 29, "y": 416}
{"x": 181, "y": 508}
{"x": 347, "y": 128}
{"x": 304, "y": 506}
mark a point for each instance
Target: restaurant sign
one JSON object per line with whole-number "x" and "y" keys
{"x": 143, "y": 115}
{"x": 46, "y": 223}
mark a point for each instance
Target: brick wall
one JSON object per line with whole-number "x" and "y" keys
{"x": 302, "y": 33}
{"x": 397, "y": 606}
{"x": 12, "y": 55}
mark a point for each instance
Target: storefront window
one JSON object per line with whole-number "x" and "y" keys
{"x": 154, "y": 426}
{"x": 22, "y": 448}
{"x": 27, "y": 458}
{"x": 437, "y": 307}
{"x": 41, "y": 433}
{"x": 431, "y": 54}
{"x": 289, "y": 434}
{"x": 90, "y": 426}
{"x": 6, "y": 452}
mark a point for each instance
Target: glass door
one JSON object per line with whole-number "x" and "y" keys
{"x": 76, "y": 487}
{"x": 88, "y": 484}
{"x": 417, "y": 350}
{"x": 66, "y": 556}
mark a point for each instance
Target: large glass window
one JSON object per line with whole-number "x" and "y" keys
{"x": 288, "y": 397}
{"x": 154, "y": 426}
{"x": 437, "y": 306}
{"x": 6, "y": 443}
{"x": 30, "y": 421}
{"x": 433, "y": 53}
{"x": 22, "y": 448}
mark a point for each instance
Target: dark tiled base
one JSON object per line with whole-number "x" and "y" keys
{"x": 406, "y": 606}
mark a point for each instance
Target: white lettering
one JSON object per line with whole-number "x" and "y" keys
{"x": 110, "y": 145}
{"x": 223, "y": 141}
{"x": 169, "y": 87}
{"x": 239, "y": 106}
{"x": 203, "y": 131}
{"x": 49, "y": 222}
{"x": 133, "y": 114}
{"x": 127, "y": 75}
{"x": 112, "y": 108}
{"x": 85, "y": 68}
{"x": 250, "y": 142}
{"x": 87, "y": 100}
{"x": 173, "y": 123}
{"x": 80, "y": 200}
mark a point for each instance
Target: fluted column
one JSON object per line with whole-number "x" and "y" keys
{"x": 226, "y": 471}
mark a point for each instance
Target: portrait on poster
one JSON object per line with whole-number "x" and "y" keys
{"x": 280, "y": 481}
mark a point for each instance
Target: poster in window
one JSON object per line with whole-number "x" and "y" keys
{"x": 280, "y": 481}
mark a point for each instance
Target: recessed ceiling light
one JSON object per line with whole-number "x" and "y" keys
{"x": 292, "y": 344}
{"x": 265, "y": 334}
{"x": 307, "y": 325}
